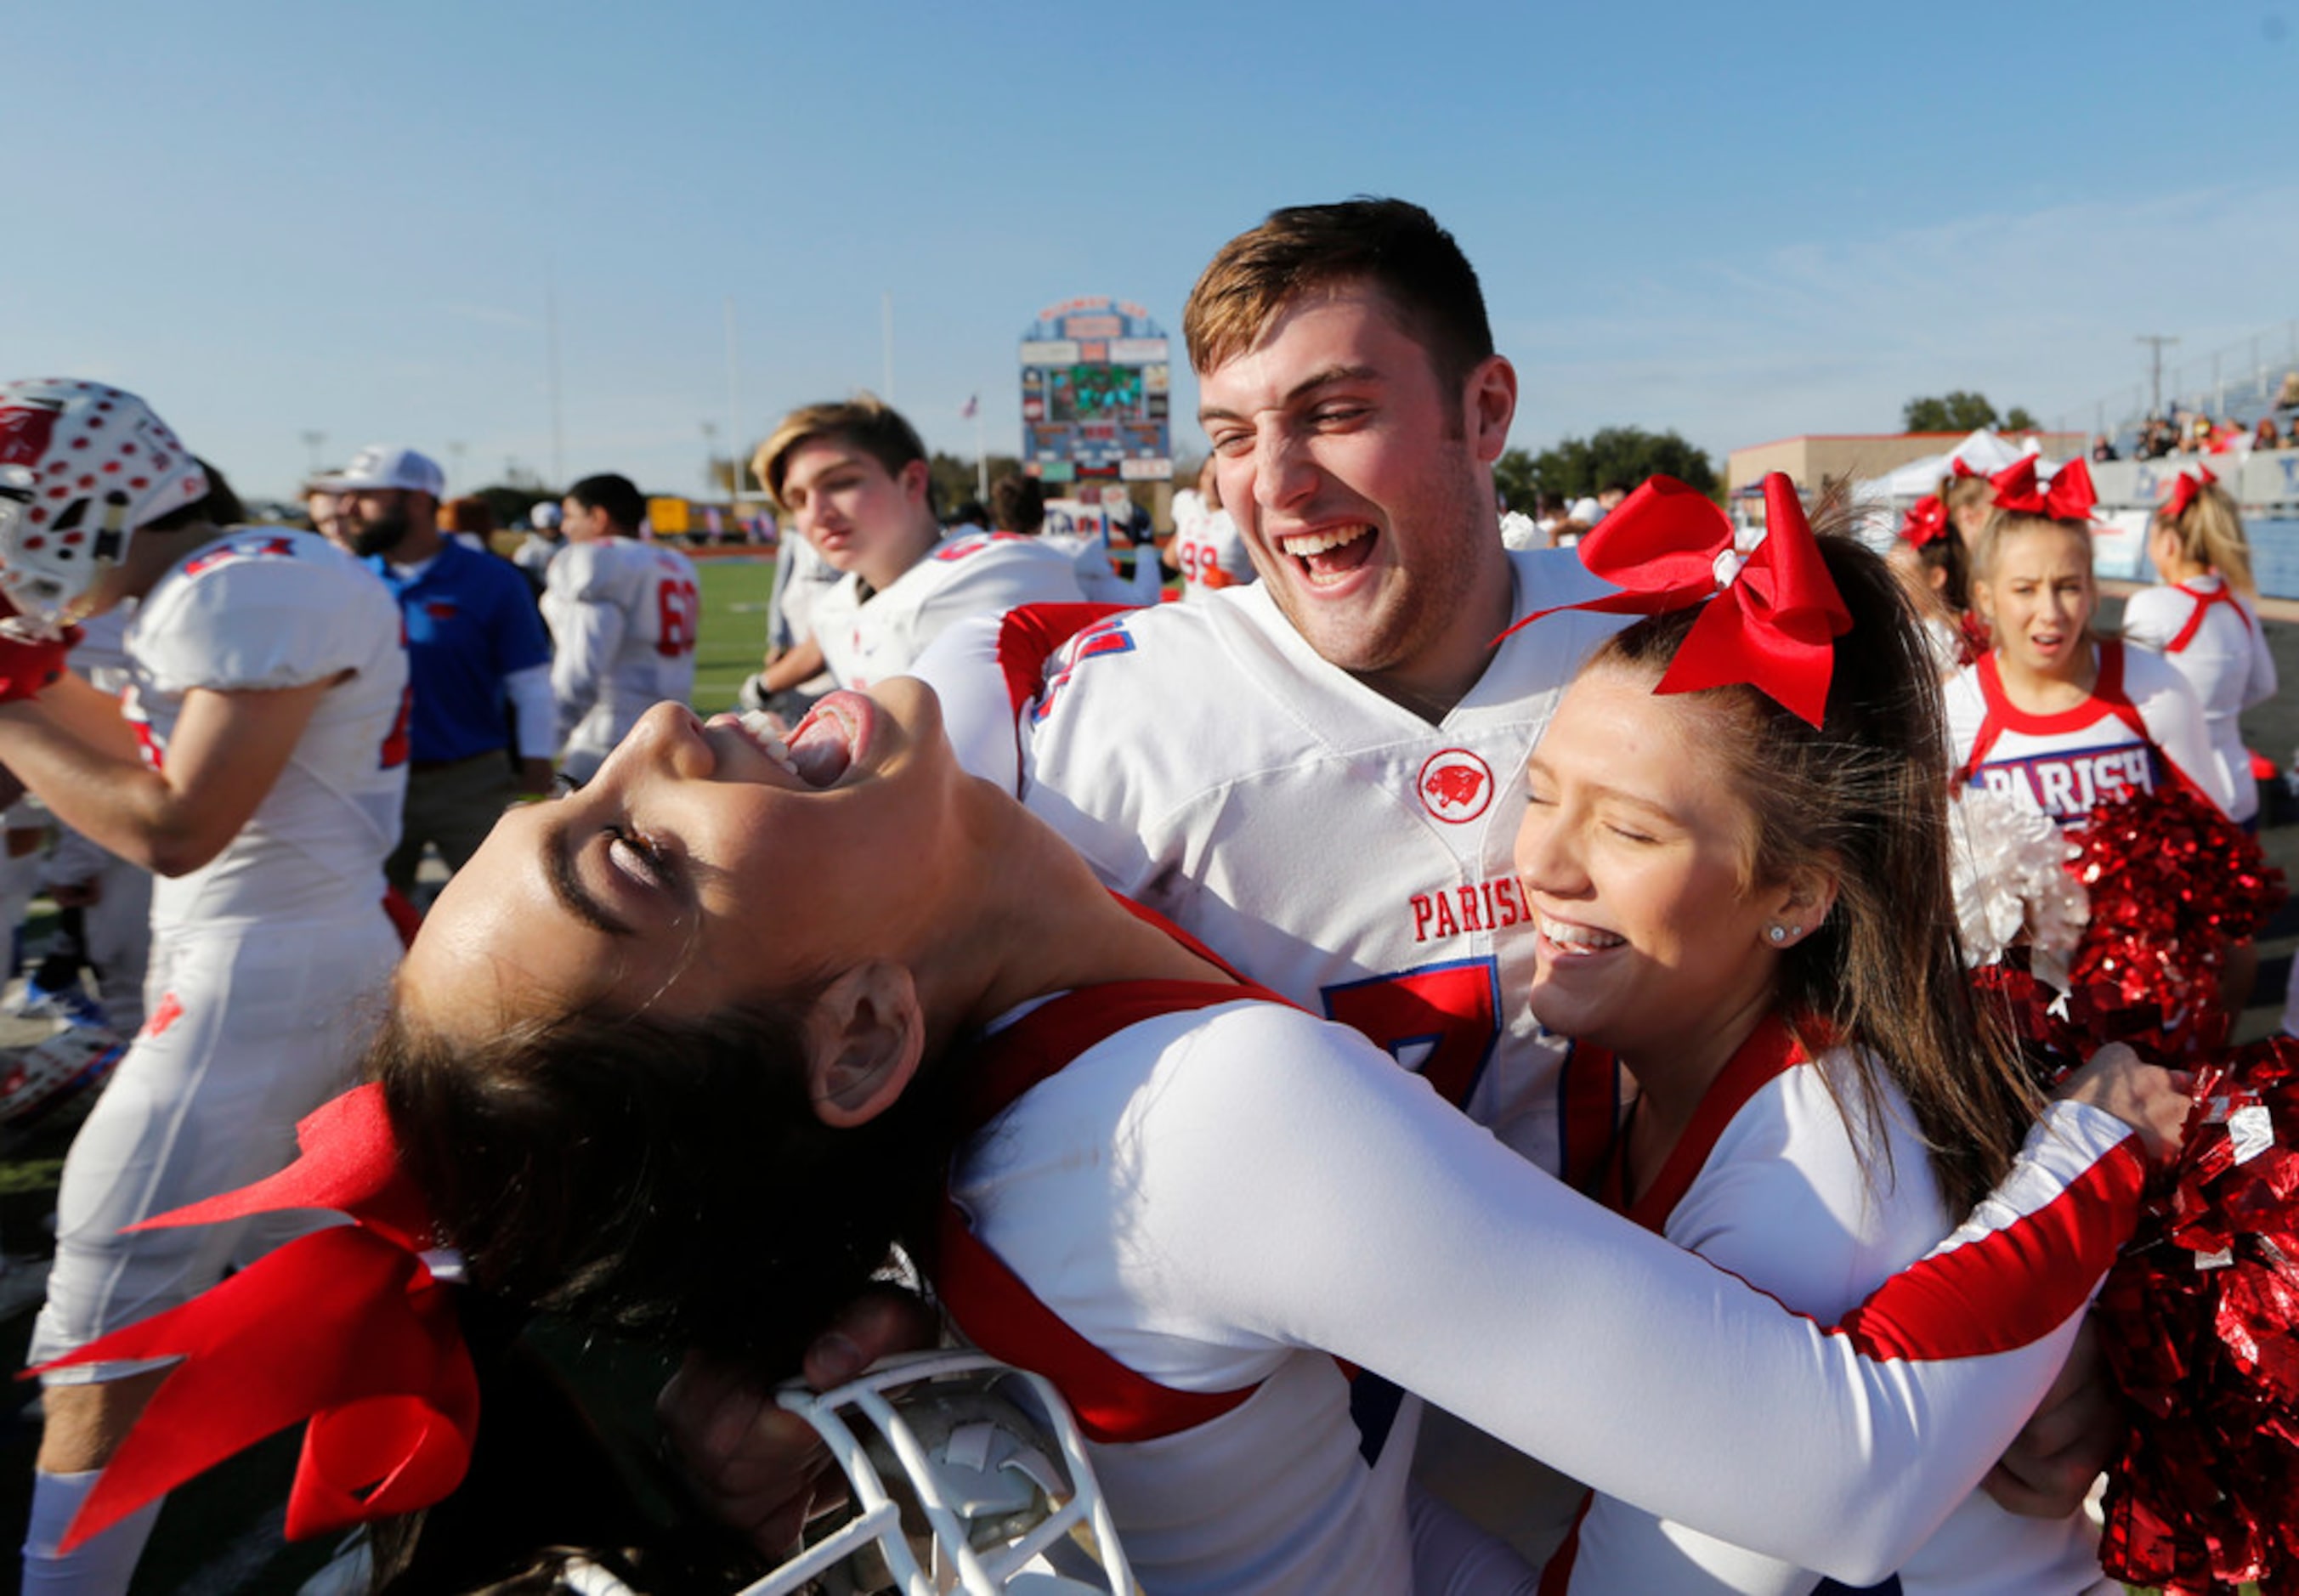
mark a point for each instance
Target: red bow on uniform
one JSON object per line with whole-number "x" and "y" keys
{"x": 346, "y": 1327}
{"x": 1776, "y": 612}
{"x": 2186, "y": 489}
{"x": 1927, "y": 521}
{"x": 2070, "y": 497}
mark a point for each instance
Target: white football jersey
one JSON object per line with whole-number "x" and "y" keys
{"x": 2212, "y": 636}
{"x": 1207, "y": 547}
{"x": 2065, "y": 765}
{"x": 622, "y": 615}
{"x": 984, "y": 573}
{"x": 264, "y": 609}
{"x": 1333, "y": 845}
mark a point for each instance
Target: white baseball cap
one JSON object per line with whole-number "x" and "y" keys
{"x": 1587, "y": 511}
{"x": 383, "y": 466}
{"x": 545, "y": 515}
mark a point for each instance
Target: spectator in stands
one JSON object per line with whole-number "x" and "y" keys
{"x": 477, "y": 659}
{"x": 2103, "y": 449}
{"x": 2264, "y": 435}
{"x": 2288, "y": 397}
{"x": 1609, "y": 496}
{"x": 970, "y": 516}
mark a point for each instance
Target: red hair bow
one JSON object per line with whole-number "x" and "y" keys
{"x": 1927, "y": 521}
{"x": 1963, "y": 468}
{"x": 2070, "y": 497}
{"x": 2186, "y": 489}
{"x": 346, "y": 1327}
{"x": 1776, "y": 612}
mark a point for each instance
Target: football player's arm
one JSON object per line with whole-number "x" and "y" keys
{"x": 801, "y": 662}
{"x": 226, "y": 752}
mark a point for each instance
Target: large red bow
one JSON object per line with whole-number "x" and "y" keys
{"x": 1964, "y": 468}
{"x": 1777, "y": 615}
{"x": 1927, "y": 521}
{"x": 346, "y": 1327}
{"x": 2186, "y": 490}
{"x": 2069, "y": 499}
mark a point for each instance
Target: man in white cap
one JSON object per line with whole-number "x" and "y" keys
{"x": 540, "y": 544}
{"x": 477, "y": 658}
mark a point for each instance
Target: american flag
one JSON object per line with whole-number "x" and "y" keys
{"x": 966, "y": 410}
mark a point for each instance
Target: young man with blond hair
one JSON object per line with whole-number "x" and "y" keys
{"x": 851, "y": 476}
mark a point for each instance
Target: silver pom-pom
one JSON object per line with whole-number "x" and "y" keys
{"x": 2011, "y": 885}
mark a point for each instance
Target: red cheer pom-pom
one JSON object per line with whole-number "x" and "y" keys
{"x": 2172, "y": 882}
{"x": 2199, "y": 1321}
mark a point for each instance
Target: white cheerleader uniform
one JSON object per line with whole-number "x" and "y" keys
{"x": 1201, "y": 1215}
{"x": 1768, "y": 1182}
{"x": 2141, "y": 728}
{"x": 2213, "y": 637}
{"x": 1207, "y": 547}
{"x": 622, "y": 615}
{"x": 265, "y": 959}
{"x": 866, "y": 638}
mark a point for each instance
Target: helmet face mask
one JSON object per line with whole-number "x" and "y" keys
{"x": 82, "y": 466}
{"x": 964, "y": 1474}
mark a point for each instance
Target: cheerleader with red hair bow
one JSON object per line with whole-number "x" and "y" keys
{"x": 2112, "y": 743}
{"x": 2062, "y": 721}
{"x": 1929, "y": 558}
{"x": 2200, "y": 618}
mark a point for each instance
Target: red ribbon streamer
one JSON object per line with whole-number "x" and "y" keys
{"x": 346, "y": 1327}
{"x": 2186, "y": 489}
{"x": 2069, "y": 498}
{"x": 1776, "y": 616}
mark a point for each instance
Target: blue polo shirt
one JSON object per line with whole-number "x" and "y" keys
{"x": 471, "y": 622}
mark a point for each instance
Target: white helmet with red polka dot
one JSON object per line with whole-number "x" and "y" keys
{"x": 82, "y": 465}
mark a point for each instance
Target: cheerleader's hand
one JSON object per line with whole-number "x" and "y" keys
{"x": 2151, "y": 1100}
{"x": 764, "y": 1471}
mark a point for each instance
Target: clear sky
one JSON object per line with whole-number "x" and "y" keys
{"x": 1740, "y": 222}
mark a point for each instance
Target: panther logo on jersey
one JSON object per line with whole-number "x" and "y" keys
{"x": 1456, "y": 786}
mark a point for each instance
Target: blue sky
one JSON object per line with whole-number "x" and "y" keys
{"x": 1738, "y": 221}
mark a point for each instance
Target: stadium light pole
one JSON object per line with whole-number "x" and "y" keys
{"x": 2155, "y": 342}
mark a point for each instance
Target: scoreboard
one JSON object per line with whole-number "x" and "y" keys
{"x": 1096, "y": 394}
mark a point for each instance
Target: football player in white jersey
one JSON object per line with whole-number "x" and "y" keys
{"x": 1319, "y": 775}
{"x": 1205, "y": 548}
{"x": 623, "y": 616}
{"x": 257, "y": 765}
{"x": 853, "y": 477}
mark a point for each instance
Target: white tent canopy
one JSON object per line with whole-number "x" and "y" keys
{"x": 1983, "y": 452}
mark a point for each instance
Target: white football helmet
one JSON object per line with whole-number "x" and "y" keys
{"x": 975, "y": 1465}
{"x": 81, "y": 467}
